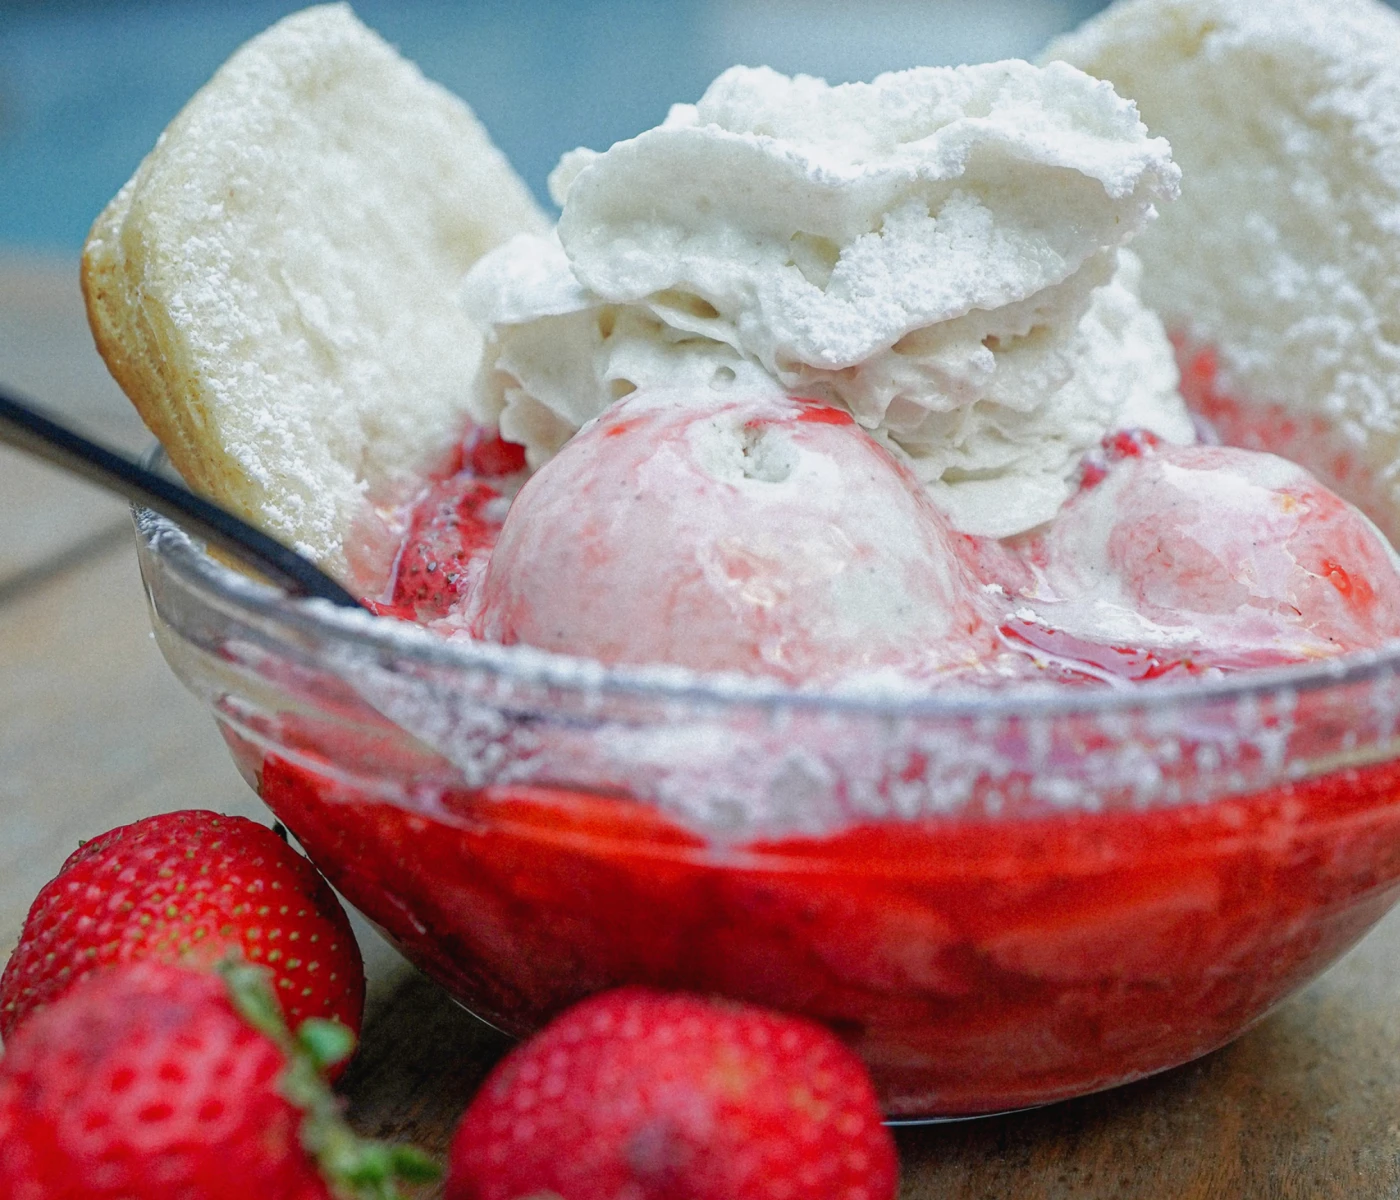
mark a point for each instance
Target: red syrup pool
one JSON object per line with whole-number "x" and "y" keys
{"x": 976, "y": 964}
{"x": 979, "y": 956}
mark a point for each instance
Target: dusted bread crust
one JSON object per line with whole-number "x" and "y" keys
{"x": 1283, "y": 251}
{"x": 275, "y": 287}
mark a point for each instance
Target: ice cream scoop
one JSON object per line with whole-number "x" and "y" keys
{"x": 1224, "y": 557}
{"x": 754, "y": 533}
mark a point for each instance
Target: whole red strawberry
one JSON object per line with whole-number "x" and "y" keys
{"x": 190, "y": 887}
{"x": 155, "y": 1082}
{"x": 655, "y": 1096}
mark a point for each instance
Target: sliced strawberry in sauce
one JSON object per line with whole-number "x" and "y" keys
{"x": 457, "y": 521}
{"x": 490, "y": 456}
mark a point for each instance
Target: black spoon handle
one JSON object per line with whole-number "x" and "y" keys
{"x": 26, "y": 429}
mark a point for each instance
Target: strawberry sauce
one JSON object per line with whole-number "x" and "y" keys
{"x": 976, "y": 965}
{"x": 977, "y": 962}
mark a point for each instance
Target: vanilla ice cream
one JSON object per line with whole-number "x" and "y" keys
{"x": 743, "y": 533}
{"x": 1226, "y": 557}
{"x": 937, "y": 251}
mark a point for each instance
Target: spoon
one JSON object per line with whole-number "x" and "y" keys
{"x": 27, "y": 429}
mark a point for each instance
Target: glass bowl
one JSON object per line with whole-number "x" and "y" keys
{"x": 999, "y": 899}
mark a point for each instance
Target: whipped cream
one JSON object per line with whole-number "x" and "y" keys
{"x": 937, "y": 251}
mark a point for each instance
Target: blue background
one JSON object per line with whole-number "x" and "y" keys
{"x": 85, "y": 88}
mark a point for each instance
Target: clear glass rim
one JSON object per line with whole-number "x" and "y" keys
{"x": 179, "y": 554}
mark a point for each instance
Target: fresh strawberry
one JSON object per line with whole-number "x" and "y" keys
{"x": 192, "y": 887}
{"x": 457, "y": 521}
{"x": 156, "y": 1082}
{"x": 659, "y": 1096}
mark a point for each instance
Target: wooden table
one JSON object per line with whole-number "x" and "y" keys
{"x": 94, "y": 731}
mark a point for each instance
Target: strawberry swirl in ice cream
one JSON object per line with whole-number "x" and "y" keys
{"x": 1204, "y": 558}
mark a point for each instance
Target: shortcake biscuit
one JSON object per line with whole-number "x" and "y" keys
{"x": 275, "y": 287}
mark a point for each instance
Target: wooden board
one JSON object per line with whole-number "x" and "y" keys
{"x": 47, "y": 356}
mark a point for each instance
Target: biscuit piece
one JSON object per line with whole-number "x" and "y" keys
{"x": 275, "y": 287}
{"x": 1284, "y": 249}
